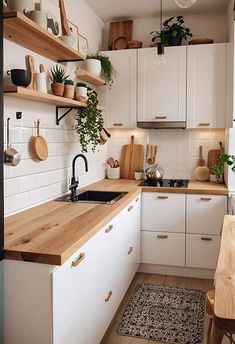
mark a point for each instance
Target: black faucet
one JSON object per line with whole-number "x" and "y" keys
{"x": 74, "y": 180}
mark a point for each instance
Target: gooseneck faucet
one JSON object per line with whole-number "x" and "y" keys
{"x": 74, "y": 180}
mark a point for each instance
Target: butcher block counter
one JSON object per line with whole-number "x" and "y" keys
{"x": 50, "y": 233}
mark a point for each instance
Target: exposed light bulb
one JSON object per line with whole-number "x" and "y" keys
{"x": 185, "y": 3}
{"x": 161, "y": 58}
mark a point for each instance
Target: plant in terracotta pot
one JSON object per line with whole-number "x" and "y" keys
{"x": 69, "y": 89}
{"x": 58, "y": 78}
{"x": 173, "y": 32}
{"x": 106, "y": 67}
{"x": 81, "y": 92}
{"x": 218, "y": 168}
{"x": 89, "y": 122}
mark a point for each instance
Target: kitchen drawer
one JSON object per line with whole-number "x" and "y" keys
{"x": 205, "y": 214}
{"x": 163, "y": 212}
{"x": 202, "y": 251}
{"x": 163, "y": 248}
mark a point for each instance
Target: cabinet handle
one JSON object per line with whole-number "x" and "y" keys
{"x": 78, "y": 260}
{"x": 117, "y": 124}
{"x": 205, "y": 199}
{"x": 206, "y": 239}
{"x": 160, "y": 117}
{"x": 160, "y": 236}
{"x": 130, "y": 250}
{"x": 130, "y": 208}
{"x": 137, "y": 199}
{"x": 203, "y": 124}
{"x": 107, "y": 230}
{"x": 162, "y": 197}
{"x": 109, "y": 296}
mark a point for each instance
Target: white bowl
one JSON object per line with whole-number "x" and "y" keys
{"x": 68, "y": 40}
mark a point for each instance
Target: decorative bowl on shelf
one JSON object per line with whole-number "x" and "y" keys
{"x": 68, "y": 40}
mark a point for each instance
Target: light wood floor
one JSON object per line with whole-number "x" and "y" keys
{"x": 112, "y": 337}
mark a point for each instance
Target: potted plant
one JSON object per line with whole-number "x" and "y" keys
{"x": 139, "y": 173}
{"x": 69, "y": 89}
{"x": 173, "y": 32}
{"x": 89, "y": 122}
{"x": 218, "y": 168}
{"x": 81, "y": 92}
{"x": 106, "y": 67}
{"x": 58, "y": 78}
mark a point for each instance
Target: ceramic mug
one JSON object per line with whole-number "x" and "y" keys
{"x": 39, "y": 17}
{"x": 22, "y": 6}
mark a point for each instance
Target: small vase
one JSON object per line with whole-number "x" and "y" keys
{"x": 57, "y": 89}
{"x": 174, "y": 41}
{"x": 215, "y": 179}
{"x": 138, "y": 175}
{"x": 68, "y": 91}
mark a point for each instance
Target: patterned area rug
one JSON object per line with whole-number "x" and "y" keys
{"x": 164, "y": 314}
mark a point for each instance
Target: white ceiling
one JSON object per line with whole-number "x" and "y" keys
{"x": 109, "y": 10}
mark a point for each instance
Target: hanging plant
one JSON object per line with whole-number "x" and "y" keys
{"x": 89, "y": 122}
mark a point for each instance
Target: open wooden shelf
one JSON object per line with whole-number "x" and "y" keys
{"x": 26, "y": 93}
{"x": 88, "y": 77}
{"x": 23, "y": 31}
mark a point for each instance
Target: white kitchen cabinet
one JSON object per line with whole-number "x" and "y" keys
{"x": 206, "y": 86}
{"x": 163, "y": 212}
{"x": 162, "y": 89}
{"x": 202, "y": 251}
{"x": 205, "y": 214}
{"x": 163, "y": 248}
{"x": 74, "y": 303}
{"x": 120, "y": 100}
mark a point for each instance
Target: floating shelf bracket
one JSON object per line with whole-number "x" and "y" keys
{"x": 58, "y": 119}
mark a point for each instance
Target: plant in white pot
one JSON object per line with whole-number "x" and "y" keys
{"x": 81, "y": 92}
{"x": 97, "y": 63}
{"x": 218, "y": 168}
{"x": 139, "y": 172}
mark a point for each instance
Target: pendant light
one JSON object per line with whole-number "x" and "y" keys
{"x": 161, "y": 58}
{"x": 185, "y": 3}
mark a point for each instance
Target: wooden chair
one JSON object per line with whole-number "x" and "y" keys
{"x": 224, "y": 327}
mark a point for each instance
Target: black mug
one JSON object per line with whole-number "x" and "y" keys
{"x": 20, "y": 77}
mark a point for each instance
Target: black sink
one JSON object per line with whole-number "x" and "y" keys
{"x": 90, "y": 196}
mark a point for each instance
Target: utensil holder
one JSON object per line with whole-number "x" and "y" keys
{"x": 113, "y": 172}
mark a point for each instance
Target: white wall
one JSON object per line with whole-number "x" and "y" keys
{"x": 32, "y": 182}
{"x": 202, "y": 26}
{"x": 178, "y": 150}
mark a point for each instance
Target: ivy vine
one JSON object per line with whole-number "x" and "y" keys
{"x": 89, "y": 122}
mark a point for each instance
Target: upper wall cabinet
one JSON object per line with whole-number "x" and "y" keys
{"x": 162, "y": 89}
{"x": 121, "y": 99}
{"x": 206, "y": 86}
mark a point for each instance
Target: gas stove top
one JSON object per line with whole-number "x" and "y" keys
{"x": 172, "y": 183}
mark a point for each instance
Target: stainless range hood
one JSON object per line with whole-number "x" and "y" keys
{"x": 162, "y": 125}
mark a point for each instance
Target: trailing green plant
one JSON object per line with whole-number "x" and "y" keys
{"x": 58, "y": 74}
{"x": 81, "y": 84}
{"x": 107, "y": 67}
{"x": 172, "y": 29}
{"x": 69, "y": 82}
{"x": 89, "y": 122}
{"x": 224, "y": 158}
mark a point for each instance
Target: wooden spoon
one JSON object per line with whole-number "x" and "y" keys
{"x": 111, "y": 162}
{"x": 39, "y": 146}
{"x": 201, "y": 161}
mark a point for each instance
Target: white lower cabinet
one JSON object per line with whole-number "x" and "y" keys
{"x": 163, "y": 248}
{"x": 83, "y": 294}
{"x": 202, "y": 251}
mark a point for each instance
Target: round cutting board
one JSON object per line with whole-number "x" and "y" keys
{"x": 39, "y": 146}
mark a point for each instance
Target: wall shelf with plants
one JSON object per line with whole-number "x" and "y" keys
{"x": 84, "y": 75}
{"x": 21, "y": 30}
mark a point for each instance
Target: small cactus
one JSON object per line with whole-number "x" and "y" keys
{"x": 58, "y": 74}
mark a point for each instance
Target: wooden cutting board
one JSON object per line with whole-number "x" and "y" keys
{"x": 132, "y": 157}
{"x": 120, "y": 29}
{"x": 213, "y": 156}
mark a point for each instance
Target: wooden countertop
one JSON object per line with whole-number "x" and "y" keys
{"x": 50, "y": 233}
{"x": 224, "y": 306}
